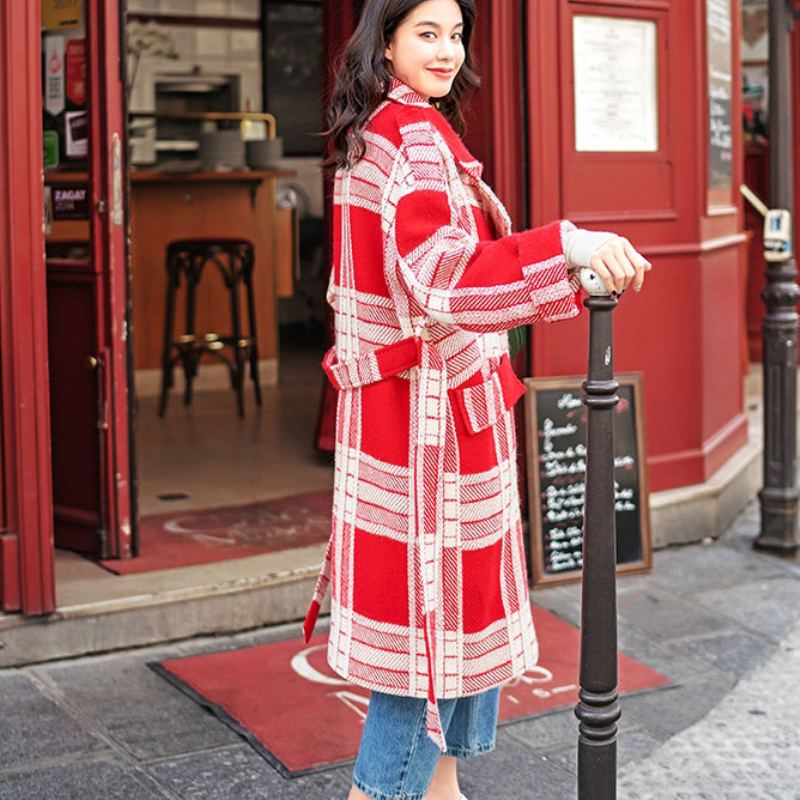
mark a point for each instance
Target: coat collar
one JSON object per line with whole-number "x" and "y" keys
{"x": 401, "y": 92}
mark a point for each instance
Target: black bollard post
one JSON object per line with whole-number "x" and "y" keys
{"x": 778, "y": 497}
{"x": 598, "y": 708}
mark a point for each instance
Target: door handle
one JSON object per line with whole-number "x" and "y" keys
{"x": 97, "y": 364}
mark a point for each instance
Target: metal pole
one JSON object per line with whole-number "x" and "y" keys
{"x": 779, "y": 497}
{"x": 598, "y": 708}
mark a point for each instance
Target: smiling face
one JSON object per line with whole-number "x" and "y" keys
{"x": 426, "y": 51}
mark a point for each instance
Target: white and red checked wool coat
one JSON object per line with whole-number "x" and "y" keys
{"x": 429, "y": 592}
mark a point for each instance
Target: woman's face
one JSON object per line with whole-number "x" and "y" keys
{"x": 426, "y": 50}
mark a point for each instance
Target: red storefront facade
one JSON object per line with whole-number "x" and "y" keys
{"x": 684, "y": 332}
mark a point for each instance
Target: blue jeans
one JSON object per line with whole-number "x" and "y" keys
{"x": 396, "y": 758}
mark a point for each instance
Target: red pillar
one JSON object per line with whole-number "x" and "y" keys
{"x": 26, "y": 511}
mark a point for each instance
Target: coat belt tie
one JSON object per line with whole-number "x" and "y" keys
{"x": 428, "y": 462}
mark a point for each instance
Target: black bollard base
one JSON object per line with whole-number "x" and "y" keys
{"x": 778, "y": 520}
{"x": 597, "y": 744}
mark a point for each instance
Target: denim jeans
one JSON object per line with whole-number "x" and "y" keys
{"x": 396, "y": 758}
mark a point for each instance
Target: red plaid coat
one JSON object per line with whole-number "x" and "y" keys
{"x": 429, "y": 591}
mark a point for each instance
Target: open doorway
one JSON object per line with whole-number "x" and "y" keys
{"x": 217, "y": 482}
{"x": 204, "y": 480}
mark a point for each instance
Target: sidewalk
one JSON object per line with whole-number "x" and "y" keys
{"x": 719, "y": 619}
{"x": 747, "y": 748}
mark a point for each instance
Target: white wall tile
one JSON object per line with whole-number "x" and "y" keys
{"x": 142, "y": 5}
{"x": 178, "y": 6}
{"x": 185, "y": 41}
{"x": 245, "y": 44}
{"x": 250, "y": 84}
{"x": 247, "y": 9}
{"x": 213, "y": 8}
{"x": 212, "y": 43}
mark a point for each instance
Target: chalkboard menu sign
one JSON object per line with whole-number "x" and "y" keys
{"x": 719, "y": 26}
{"x": 557, "y": 425}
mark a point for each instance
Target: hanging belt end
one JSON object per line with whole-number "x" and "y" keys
{"x": 310, "y": 620}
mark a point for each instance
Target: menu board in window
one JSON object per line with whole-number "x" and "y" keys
{"x": 557, "y": 426}
{"x": 293, "y": 71}
{"x": 616, "y": 99}
{"x": 720, "y": 95}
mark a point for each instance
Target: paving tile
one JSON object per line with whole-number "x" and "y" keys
{"x": 746, "y": 748}
{"x": 241, "y": 773}
{"x": 511, "y": 772}
{"x": 140, "y": 710}
{"x": 632, "y": 745}
{"x": 32, "y": 726}
{"x": 735, "y": 653}
{"x": 554, "y": 733}
{"x": 685, "y": 570}
{"x": 665, "y": 712}
{"x": 82, "y": 780}
{"x": 635, "y": 744}
{"x": 563, "y": 601}
{"x": 666, "y": 616}
{"x": 769, "y": 607}
{"x": 742, "y": 535}
{"x": 546, "y": 732}
{"x": 677, "y": 665}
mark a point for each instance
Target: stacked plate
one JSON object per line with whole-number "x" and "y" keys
{"x": 220, "y": 150}
{"x": 264, "y": 153}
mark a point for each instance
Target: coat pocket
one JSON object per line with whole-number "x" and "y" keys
{"x": 482, "y": 404}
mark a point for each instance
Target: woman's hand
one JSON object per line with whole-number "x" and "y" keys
{"x": 618, "y": 264}
{"x": 612, "y": 257}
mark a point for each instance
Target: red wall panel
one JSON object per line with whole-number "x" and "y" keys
{"x": 683, "y": 331}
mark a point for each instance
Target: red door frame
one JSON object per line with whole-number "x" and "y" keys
{"x": 108, "y": 191}
{"x": 495, "y": 117}
{"x": 27, "y": 581}
{"x": 507, "y": 93}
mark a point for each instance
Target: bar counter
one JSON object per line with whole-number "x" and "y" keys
{"x": 168, "y": 205}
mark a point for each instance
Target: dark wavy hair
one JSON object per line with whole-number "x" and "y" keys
{"x": 363, "y": 79}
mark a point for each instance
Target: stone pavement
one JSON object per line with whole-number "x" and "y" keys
{"x": 747, "y": 748}
{"x": 719, "y": 619}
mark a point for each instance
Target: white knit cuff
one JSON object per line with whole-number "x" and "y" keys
{"x": 581, "y": 244}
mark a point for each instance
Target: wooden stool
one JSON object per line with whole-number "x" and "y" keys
{"x": 186, "y": 259}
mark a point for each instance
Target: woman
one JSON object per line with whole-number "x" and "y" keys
{"x": 429, "y": 596}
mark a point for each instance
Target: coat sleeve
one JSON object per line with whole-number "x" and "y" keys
{"x": 453, "y": 278}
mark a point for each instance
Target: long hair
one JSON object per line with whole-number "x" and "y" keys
{"x": 363, "y": 79}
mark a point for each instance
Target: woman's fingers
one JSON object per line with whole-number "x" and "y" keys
{"x": 640, "y": 263}
{"x": 602, "y": 272}
{"x": 618, "y": 265}
{"x": 624, "y": 266}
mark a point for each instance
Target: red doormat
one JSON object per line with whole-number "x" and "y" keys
{"x": 285, "y": 700}
{"x": 204, "y": 536}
